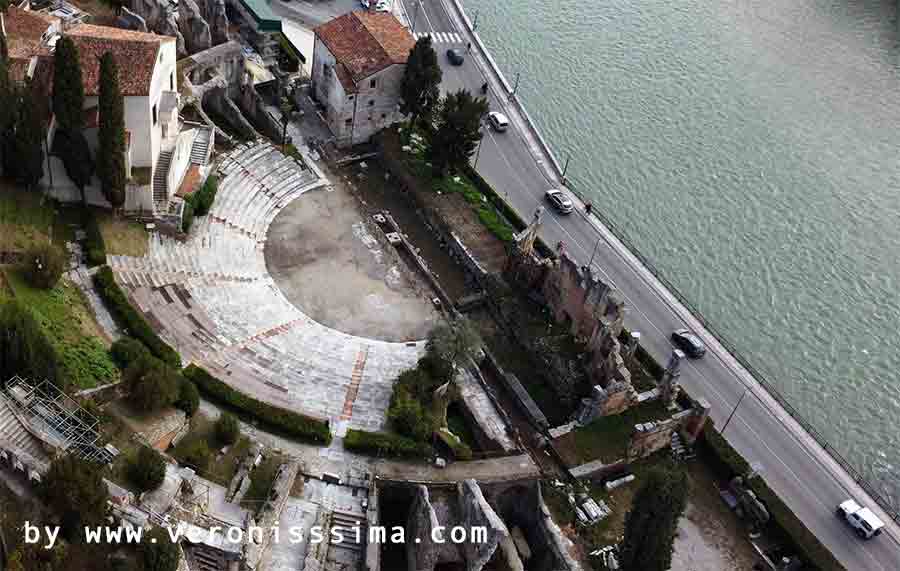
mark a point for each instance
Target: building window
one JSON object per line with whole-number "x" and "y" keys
{"x": 372, "y": 84}
{"x": 172, "y": 81}
{"x": 154, "y": 114}
{"x": 350, "y": 98}
{"x": 384, "y": 115}
{"x": 348, "y": 121}
{"x": 371, "y": 102}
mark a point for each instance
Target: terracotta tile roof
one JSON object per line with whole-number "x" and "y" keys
{"x": 366, "y": 42}
{"x": 24, "y": 30}
{"x": 135, "y": 53}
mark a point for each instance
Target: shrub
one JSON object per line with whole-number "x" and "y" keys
{"x": 44, "y": 266}
{"x": 227, "y": 429}
{"x": 196, "y": 454}
{"x": 188, "y": 398}
{"x": 130, "y": 319}
{"x": 95, "y": 247}
{"x": 203, "y": 199}
{"x": 147, "y": 469}
{"x": 282, "y": 420}
{"x": 384, "y": 444}
{"x": 25, "y": 350}
{"x": 128, "y": 350}
{"x": 187, "y": 217}
{"x": 151, "y": 384}
{"x": 158, "y": 553}
{"x": 408, "y": 417}
{"x": 460, "y": 449}
{"x": 74, "y": 489}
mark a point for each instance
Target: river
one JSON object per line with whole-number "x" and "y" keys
{"x": 752, "y": 151}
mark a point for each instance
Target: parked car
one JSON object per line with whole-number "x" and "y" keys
{"x": 865, "y": 523}
{"x": 383, "y": 6}
{"x": 559, "y": 201}
{"x": 365, "y": 4}
{"x": 497, "y": 121}
{"x": 688, "y": 342}
{"x": 455, "y": 56}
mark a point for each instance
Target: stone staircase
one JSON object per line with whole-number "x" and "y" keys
{"x": 14, "y": 436}
{"x": 160, "y": 184}
{"x": 200, "y": 148}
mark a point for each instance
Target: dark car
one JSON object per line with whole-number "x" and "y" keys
{"x": 689, "y": 343}
{"x": 455, "y": 56}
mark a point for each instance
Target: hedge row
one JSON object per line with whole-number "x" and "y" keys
{"x": 95, "y": 247}
{"x": 283, "y": 420}
{"x": 130, "y": 319}
{"x": 202, "y": 200}
{"x": 808, "y": 544}
{"x": 384, "y": 444}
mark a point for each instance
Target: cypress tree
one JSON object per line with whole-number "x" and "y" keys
{"x": 421, "y": 80}
{"x": 68, "y": 91}
{"x": 111, "y": 135}
{"x": 24, "y": 148}
{"x": 651, "y": 523}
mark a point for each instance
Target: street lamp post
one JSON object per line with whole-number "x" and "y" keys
{"x": 597, "y": 245}
{"x": 734, "y": 410}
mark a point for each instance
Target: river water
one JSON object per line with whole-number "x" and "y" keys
{"x": 752, "y": 151}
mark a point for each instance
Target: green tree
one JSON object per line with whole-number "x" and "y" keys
{"x": 195, "y": 453}
{"x": 24, "y": 348}
{"x": 76, "y": 157}
{"x": 158, "y": 553}
{"x": 651, "y": 523}
{"x": 458, "y": 131}
{"x": 44, "y": 266}
{"x": 147, "y": 469}
{"x": 24, "y": 143}
{"x": 151, "y": 384}
{"x": 111, "y": 133}
{"x": 454, "y": 343}
{"x": 419, "y": 90}
{"x": 188, "y": 397}
{"x": 68, "y": 90}
{"x": 227, "y": 429}
{"x": 74, "y": 490}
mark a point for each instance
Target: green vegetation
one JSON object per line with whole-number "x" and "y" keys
{"x": 384, "y": 444}
{"x": 652, "y": 521}
{"x": 158, "y": 553}
{"x": 279, "y": 419}
{"x": 122, "y": 237}
{"x": 458, "y": 131}
{"x": 94, "y": 245}
{"x": 198, "y": 448}
{"x": 227, "y": 429}
{"x": 44, "y": 265}
{"x": 23, "y": 150}
{"x": 188, "y": 398}
{"x": 187, "y": 217}
{"x": 203, "y": 199}
{"x": 151, "y": 384}
{"x": 24, "y": 220}
{"x": 261, "y": 480}
{"x": 420, "y": 89}
{"x": 607, "y": 437}
{"x": 130, "y": 319}
{"x": 194, "y": 452}
{"x": 785, "y": 523}
{"x": 67, "y": 323}
{"x": 461, "y": 450}
{"x": 111, "y": 133}
{"x": 147, "y": 469}
{"x": 24, "y": 347}
{"x": 75, "y": 491}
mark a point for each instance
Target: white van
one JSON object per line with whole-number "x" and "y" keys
{"x": 862, "y": 520}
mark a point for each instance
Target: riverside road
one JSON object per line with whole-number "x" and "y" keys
{"x": 792, "y": 463}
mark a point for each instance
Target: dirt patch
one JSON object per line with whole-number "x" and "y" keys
{"x": 323, "y": 252}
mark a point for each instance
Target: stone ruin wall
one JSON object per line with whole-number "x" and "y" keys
{"x": 196, "y": 26}
{"x": 652, "y": 437}
{"x": 470, "y": 505}
{"x": 593, "y": 310}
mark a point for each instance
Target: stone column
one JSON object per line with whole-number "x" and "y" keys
{"x": 695, "y": 424}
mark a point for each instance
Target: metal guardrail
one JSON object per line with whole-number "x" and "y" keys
{"x": 892, "y": 510}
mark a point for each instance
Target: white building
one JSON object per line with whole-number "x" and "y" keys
{"x": 358, "y": 64}
{"x": 159, "y": 146}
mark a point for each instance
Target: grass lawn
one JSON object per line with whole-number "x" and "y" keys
{"x": 68, "y": 321}
{"x": 24, "y": 221}
{"x": 223, "y": 467}
{"x": 122, "y": 237}
{"x": 607, "y": 437}
{"x": 487, "y": 214}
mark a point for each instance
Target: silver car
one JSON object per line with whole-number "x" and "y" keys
{"x": 498, "y": 121}
{"x": 559, "y": 201}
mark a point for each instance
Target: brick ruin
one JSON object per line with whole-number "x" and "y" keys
{"x": 592, "y": 310}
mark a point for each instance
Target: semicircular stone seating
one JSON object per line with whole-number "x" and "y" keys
{"x": 212, "y": 298}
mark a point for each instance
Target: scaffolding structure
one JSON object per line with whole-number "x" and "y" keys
{"x": 57, "y": 419}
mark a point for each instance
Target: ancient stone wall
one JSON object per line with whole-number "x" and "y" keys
{"x": 474, "y": 512}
